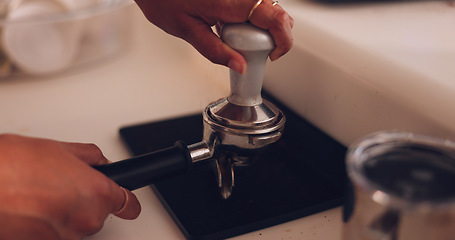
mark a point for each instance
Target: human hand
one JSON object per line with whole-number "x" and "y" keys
{"x": 192, "y": 21}
{"x": 49, "y": 191}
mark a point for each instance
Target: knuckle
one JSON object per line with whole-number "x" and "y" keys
{"x": 102, "y": 190}
{"x": 281, "y": 18}
{"x": 281, "y": 27}
{"x": 214, "y": 55}
{"x": 91, "y": 220}
{"x": 94, "y": 149}
{"x": 91, "y": 225}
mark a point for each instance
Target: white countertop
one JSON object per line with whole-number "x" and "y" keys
{"x": 359, "y": 68}
{"x": 160, "y": 77}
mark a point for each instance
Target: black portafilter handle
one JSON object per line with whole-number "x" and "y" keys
{"x": 146, "y": 169}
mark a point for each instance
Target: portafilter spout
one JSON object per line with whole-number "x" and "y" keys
{"x": 235, "y": 127}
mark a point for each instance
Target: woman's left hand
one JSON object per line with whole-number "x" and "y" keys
{"x": 49, "y": 191}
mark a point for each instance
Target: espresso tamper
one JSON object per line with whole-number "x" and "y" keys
{"x": 243, "y": 122}
{"x": 235, "y": 127}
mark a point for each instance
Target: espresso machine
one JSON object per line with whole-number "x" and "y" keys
{"x": 247, "y": 162}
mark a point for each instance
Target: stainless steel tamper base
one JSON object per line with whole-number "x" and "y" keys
{"x": 255, "y": 120}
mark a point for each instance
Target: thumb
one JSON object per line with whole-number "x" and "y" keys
{"x": 213, "y": 48}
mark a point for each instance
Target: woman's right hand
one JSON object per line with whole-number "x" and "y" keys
{"x": 192, "y": 21}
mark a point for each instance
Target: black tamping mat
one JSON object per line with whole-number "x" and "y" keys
{"x": 302, "y": 174}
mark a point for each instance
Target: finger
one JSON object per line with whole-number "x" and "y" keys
{"x": 291, "y": 21}
{"x": 213, "y": 48}
{"x": 127, "y": 205}
{"x": 274, "y": 19}
{"x": 87, "y": 152}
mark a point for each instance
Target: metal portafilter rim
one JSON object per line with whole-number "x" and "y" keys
{"x": 249, "y": 120}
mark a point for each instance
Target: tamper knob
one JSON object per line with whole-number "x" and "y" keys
{"x": 254, "y": 44}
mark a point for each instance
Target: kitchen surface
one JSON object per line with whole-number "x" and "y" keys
{"x": 354, "y": 69}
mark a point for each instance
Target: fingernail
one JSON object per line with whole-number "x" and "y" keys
{"x": 237, "y": 66}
